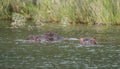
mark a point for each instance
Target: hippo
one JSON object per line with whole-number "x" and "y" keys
{"x": 88, "y": 41}
{"x": 34, "y": 38}
{"x": 48, "y": 37}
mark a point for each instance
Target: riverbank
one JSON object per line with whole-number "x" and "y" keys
{"x": 67, "y": 12}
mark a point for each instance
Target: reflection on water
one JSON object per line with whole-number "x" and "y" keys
{"x": 61, "y": 55}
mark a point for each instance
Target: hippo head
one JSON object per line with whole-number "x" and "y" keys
{"x": 37, "y": 39}
{"x": 33, "y": 38}
{"x": 51, "y": 36}
{"x": 88, "y": 41}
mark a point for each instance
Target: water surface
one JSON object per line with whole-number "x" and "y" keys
{"x": 60, "y": 55}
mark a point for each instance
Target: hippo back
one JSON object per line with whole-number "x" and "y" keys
{"x": 47, "y": 38}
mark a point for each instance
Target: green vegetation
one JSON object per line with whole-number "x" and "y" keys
{"x": 64, "y": 11}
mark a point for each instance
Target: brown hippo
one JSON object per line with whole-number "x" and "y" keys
{"x": 51, "y": 36}
{"x": 88, "y": 41}
{"x": 48, "y": 37}
{"x": 34, "y": 38}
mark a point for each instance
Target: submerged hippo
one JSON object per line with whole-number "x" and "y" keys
{"x": 88, "y": 41}
{"x": 49, "y": 37}
{"x": 34, "y": 38}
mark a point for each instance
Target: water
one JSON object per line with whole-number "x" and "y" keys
{"x": 60, "y": 55}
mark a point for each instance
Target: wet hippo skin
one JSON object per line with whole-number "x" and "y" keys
{"x": 88, "y": 41}
{"x": 47, "y": 37}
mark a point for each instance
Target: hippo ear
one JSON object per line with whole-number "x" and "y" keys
{"x": 94, "y": 38}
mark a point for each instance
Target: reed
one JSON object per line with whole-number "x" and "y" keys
{"x": 64, "y": 11}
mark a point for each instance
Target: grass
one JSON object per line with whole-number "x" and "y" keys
{"x": 105, "y": 12}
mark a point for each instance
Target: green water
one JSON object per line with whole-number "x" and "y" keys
{"x": 61, "y": 55}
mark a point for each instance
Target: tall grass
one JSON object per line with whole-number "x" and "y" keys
{"x": 4, "y": 13}
{"x": 65, "y": 11}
